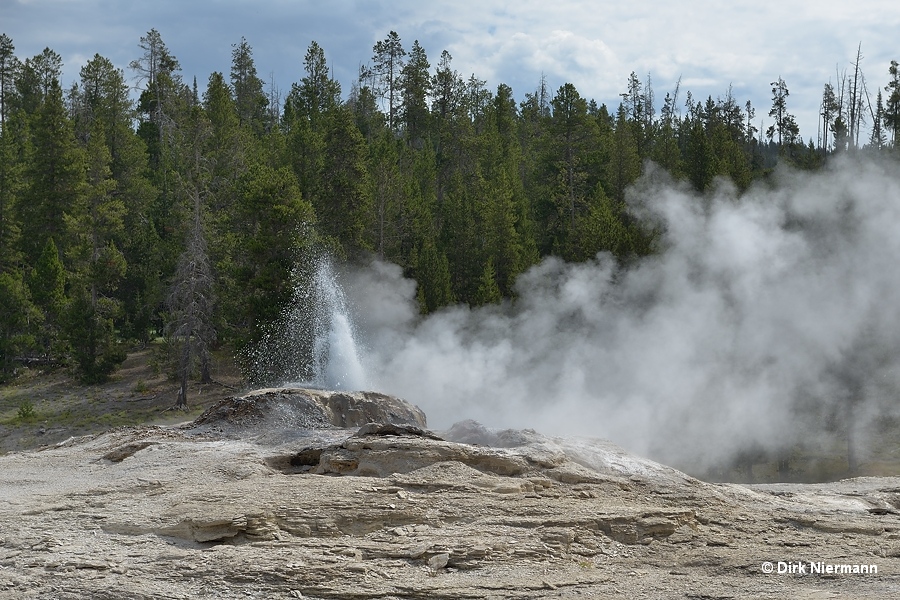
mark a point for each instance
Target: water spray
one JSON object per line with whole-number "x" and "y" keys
{"x": 313, "y": 343}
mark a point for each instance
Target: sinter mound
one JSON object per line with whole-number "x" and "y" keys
{"x": 314, "y": 494}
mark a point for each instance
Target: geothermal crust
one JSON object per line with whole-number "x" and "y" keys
{"x": 290, "y": 493}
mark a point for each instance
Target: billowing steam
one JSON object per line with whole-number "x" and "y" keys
{"x": 769, "y": 318}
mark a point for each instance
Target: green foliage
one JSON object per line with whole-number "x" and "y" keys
{"x": 433, "y": 275}
{"x": 55, "y": 176}
{"x": 47, "y": 279}
{"x": 892, "y": 103}
{"x": 104, "y": 202}
{"x": 88, "y": 329}
{"x": 387, "y": 66}
{"x": 488, "y": 291}
{"x": 26, "y": 412}
{"x": 624, "y": 165}
{"x": 18, "y": 322}
{"x": 416, "y": 83}
{"x": 344, "y": 205}
{"x": 602, "y": 229}
{"x": 249, "y": 98}
{"x": 270, "y": 223}
{"x": 10, "y": 186}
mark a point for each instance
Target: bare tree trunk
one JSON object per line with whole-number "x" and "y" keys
{"x": 184, "y": 369}
{"x": 205, "y": 376}
{"x": 855, "y": 100}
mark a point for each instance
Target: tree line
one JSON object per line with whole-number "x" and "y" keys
{"x": 181, "y": 214}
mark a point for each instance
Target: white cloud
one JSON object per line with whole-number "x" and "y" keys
{"x": 594, "y": 45}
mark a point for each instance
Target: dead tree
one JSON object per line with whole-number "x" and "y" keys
{"x": 190, "y": 303}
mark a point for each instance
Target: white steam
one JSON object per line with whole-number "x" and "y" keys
{"x": 767, "y": 317}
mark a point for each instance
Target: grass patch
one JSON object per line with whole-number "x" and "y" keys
{"x": 26, "y": 412}
{"x": 137, "y": 394}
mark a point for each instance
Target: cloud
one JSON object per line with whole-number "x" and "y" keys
{"x": 592, "y": 45}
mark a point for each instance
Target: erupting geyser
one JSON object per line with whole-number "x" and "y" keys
{"x": 313, "y": 343}
{"x": 335, "y": 359}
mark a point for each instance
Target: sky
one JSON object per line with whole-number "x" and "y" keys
{"x": 708, "y": 45}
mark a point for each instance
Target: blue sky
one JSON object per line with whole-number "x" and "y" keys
{"x": 594, "y": 45}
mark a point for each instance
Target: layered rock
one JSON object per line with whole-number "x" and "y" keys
{"x": 249, "y": 501}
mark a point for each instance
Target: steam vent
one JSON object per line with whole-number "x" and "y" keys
{"x": 305, "y": 493}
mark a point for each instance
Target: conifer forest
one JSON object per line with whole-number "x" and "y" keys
{"x": 137, "y": 206}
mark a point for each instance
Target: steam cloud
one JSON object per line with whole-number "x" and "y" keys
{"x": 769, "y": 317}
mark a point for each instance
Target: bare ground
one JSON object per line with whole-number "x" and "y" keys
{"x": 138, "y": 393}
{"x": 159, "y": 511}
{"x": 176, "y": 513}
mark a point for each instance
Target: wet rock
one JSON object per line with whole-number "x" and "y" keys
{"x": 278, "y": 414}
{"x": 394, "y": 429}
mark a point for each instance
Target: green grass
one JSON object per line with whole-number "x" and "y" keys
{"x": 26, "y": 412}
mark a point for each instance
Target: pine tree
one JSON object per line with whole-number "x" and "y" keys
{"x": 568, "y": 167}
{"x": 829, "y": 112}
{"x": 624, "y": 163}
{"x": 639, "y": 112}
{"x": 54, "y": 177}
{"x": 785, "y": 124}
{"x": 877, "y": 138}
{"x": 160, "y": 107}
{"x": 388, "y": 195}
{"x": 448, "y": 89}
{"x": 17, "y": 322}
{"x": 317, "y": 93}
{"x": 700, "y": 160}
{"x": 46, "y": 284}
{"x": 89, "y": 331}
{"x": 270, "y": 224}
{"x": 387, "y": 66}
{"x": 416, "y": 84}
{"x": 10, "y": 167}
{"x": 10, "y": 186}
{"x": 488, "y": 291}
{"x": 602, "y": 229}
{"x": 10, "y": 67}
{"x": 190, "y": 330}
{"x": 103, "y": 115}
{"x": 228, "y": 148}
{"x": 102, "y": 222}
{"x": 666, "y": 152}
{"x": 249, "y": 98}
{"x": 164, "y": 114}
{"x": 344, "y": 208}
{"x": 306, "y": 113}
{"x": 35, "y": 80}
{"x": 892, "y": 104}
{"x": 433, "y": 276}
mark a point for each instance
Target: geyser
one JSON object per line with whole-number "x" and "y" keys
{"x": 336, "y": 362}
{"x": 313, "y": 343}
